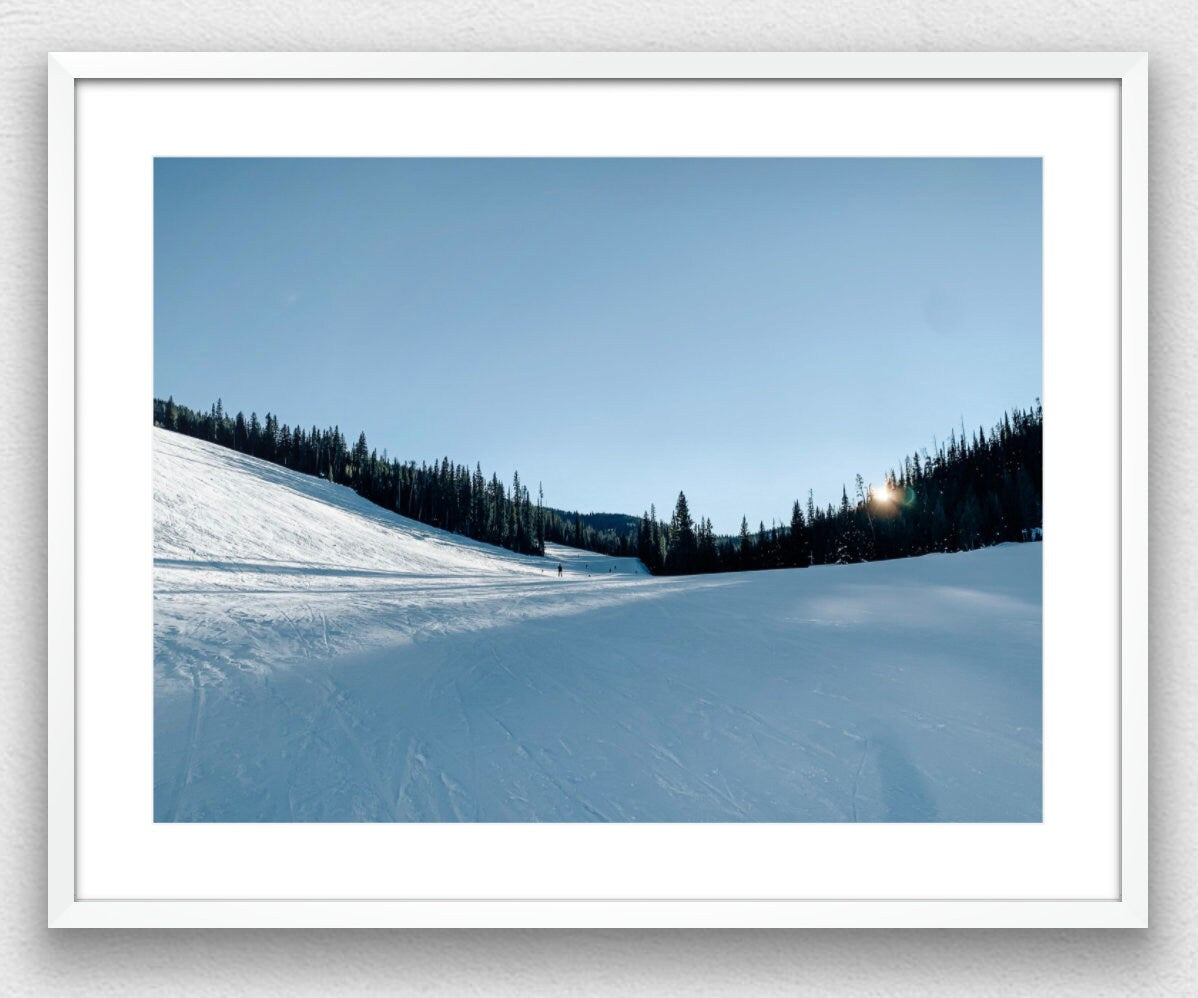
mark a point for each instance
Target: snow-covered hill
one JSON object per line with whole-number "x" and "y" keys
{"x": 320, "y": 659}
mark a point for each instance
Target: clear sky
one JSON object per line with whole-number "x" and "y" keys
{"x": 618, "y": 329}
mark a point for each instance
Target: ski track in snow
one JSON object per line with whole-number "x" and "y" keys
{"x": 317, "y": 658}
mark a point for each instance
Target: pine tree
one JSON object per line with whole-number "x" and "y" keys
{"x": 361, "y": 453}
{"x": 799, "y": 549}
{"x": 680, "y": 556}
{"x": 655, "y": 541}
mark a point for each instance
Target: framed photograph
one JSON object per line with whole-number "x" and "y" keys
{"x": 597, "y": 489}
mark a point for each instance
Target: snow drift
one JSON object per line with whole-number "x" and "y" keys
{"x": 317, "y": 658}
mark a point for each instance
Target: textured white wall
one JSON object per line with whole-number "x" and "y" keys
{"x": 1159, "y": 961}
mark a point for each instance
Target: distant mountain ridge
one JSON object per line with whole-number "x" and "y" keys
{"x": 621, "y": 523}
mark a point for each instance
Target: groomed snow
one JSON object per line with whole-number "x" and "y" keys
{"x": 317, "y": 658}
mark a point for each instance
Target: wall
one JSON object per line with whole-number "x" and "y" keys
{"x": 1161, "y": 960}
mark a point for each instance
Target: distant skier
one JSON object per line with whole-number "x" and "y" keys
{"x": 559, "y": 571}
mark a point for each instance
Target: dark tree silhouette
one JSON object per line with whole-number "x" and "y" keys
{"x": 967, "y": 493}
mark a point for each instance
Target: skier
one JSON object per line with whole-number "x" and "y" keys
{"x": 559, "y": 571}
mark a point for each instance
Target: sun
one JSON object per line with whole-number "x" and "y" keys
{"x": 880, "y": 493}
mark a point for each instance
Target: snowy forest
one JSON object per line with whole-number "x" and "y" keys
{"x": 969, "y": 492}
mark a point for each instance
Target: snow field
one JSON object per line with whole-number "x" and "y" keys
{"x": 320, "y": 659}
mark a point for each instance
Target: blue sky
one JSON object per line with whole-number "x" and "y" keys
{"x": 618, "y": 329}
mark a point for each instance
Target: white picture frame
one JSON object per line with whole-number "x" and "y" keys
{"x": 72, "y": 402}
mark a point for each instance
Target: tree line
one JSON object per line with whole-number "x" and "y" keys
{"x": 607, "y": 533}
{"x": 441, "y": 494}
{"x": 974, "y": 490}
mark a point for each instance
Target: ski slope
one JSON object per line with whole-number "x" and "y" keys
{"x": 317, "y": 658}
